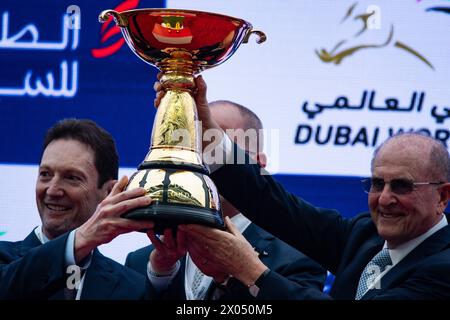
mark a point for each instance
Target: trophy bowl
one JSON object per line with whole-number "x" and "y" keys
{"x": 181, "y": 44}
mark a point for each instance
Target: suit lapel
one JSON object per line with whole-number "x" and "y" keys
{"x": 434, "y": 244}
{"x": 31, "y": 241}
{"x": 347, "y": 282}
{"x": 259, "y": 239}
{"x": 100, "y": 279}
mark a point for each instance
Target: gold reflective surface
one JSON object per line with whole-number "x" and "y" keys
{"x": 177, "y": 186}
{"x": 150, "y": 180}
{"x": 175, "y": 123}
{"x": 186, "y": 187}
{"x": 173, "y": 155}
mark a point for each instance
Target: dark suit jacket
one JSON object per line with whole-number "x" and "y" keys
{"x": 30, "y": 270}
{"x": 289, "y": 269}
{"x": 343, "y": 246}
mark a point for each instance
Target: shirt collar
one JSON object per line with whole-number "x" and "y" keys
{"x": 40, "y": 235}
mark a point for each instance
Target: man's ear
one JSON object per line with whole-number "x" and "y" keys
{"x": 444, "y": 193}
{"x": 261, "y": 158}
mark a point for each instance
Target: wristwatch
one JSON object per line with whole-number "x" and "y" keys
{"x": 253, "y": 288}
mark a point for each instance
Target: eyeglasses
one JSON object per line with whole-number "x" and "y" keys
{"x": 397, "y": 186}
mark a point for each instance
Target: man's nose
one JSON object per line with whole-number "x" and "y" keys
{"x": 55, "y": 188}
{"x": 386, "y": 196}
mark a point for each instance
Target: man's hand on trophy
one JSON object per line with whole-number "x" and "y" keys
{"x": 228, "y": 251}
{"x": 106, "y": 223}
{"x": 204, "y": 113}
{"x": 159, "y": 89}
{"x": 168, "y": 250}
{"x": 196, "y": 249}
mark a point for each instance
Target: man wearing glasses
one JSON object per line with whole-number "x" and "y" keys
{"x": 400, "y": 250}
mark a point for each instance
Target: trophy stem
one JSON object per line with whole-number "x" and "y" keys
{"x": 179, "y": 62}
{"x": 176, "y": 136}
{"x": 178, "y": 80}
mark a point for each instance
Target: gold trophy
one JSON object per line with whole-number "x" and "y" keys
{"x": 181, "y": 44}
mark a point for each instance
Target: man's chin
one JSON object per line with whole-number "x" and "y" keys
{"x": 53, "y": 230}
{"x": 391, "y": 236}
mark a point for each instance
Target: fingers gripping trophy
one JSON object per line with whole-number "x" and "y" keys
{"x": 181, "y": 44}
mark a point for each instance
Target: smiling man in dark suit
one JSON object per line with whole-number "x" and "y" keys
{"x": 80, "y": 202}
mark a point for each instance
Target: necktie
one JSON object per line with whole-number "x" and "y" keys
{"x": 68, "y": 292}
{"x": 373, "y": 269}
{"x": 71, "y": 294}
{"x": 198, "y": 287}
{"x": 203, "y": 288}
{"x": 197, "y": 279}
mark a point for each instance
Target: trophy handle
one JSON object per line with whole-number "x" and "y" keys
{"x": 261, "y": 36}
{"x": 121, "y": 20}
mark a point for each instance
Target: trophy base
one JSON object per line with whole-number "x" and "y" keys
{"x": 170, "y": 216}
{"x": 180, "y": 195}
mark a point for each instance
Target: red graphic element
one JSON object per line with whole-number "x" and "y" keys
{"x": 106, "y": 34}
